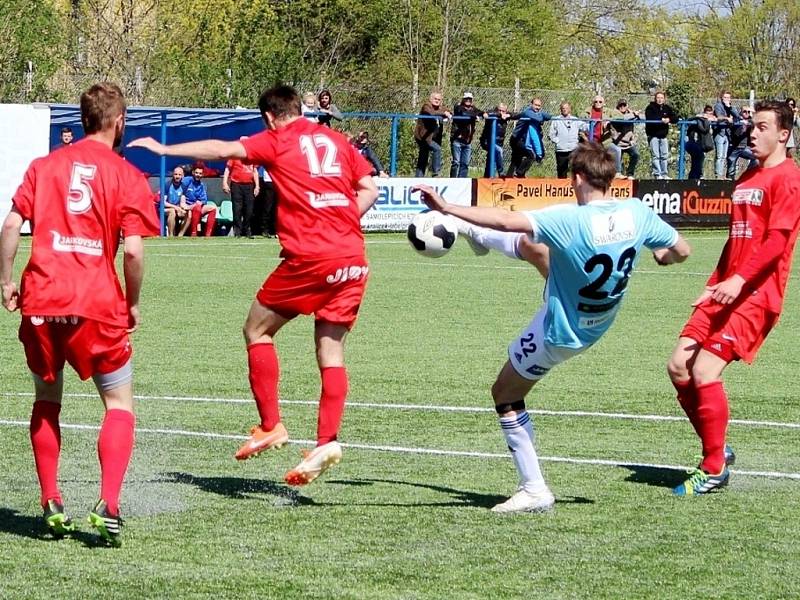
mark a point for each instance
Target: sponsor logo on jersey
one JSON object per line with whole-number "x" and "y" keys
{"x": 62, "y": 243}
{"x": 327, "y": 199}
{"x": 589, "y": 322}
{"x": 613, "y": 228}
{"x": 748, "y": 196}
{"x": 741, "y": 229}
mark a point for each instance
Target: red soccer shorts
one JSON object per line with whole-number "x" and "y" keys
{"x": 331, "y": 289}
{"x": 91, "y": 347}
{"x": 731, "y": 334}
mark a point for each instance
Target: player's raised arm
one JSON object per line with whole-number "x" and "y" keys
{"x": 9, "y": 242}
{"x": 201, "y": 149}
{"x": 674, "y": 254}
{"x": 494, "y": 218}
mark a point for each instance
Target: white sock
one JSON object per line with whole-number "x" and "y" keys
{"x": 506, "y": 242}
{"x": 518, "y": 430}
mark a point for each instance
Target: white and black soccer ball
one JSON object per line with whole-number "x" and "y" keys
{"x": 432, "y": 234}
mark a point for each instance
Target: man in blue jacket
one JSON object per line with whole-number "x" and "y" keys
{"x": 526, "y": 139}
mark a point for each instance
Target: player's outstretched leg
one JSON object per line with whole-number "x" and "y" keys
{"x": 108, "y": 525}
{"x": 315, "y": 462}
{"x": 56, "y": 519}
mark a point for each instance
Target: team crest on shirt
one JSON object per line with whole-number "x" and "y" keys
{"x": 613, "y": 228}
{"x": 63, "y": 243}
{"x": 751, "y": 196}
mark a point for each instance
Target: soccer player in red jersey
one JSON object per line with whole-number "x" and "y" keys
{"x": 324, "y": 185}
{"x": 743, "y": 297}
{"x": 80, "y": 199}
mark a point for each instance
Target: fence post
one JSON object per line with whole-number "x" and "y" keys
{"x": 162, "y": 175}
{"x": 516, "y": 94}
{"x": 492, "y": 145}
{"x": 393, "y": 146}
{"x": 682, "y": 151}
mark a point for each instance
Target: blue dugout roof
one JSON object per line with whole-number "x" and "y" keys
{"x": 169, "y": 125}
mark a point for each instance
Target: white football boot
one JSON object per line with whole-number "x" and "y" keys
{"x": 523, "y": 501}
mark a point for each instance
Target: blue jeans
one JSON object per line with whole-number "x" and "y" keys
{"x": 720, "y": 154}
{"x": 435, "y": 151}
{"x": 633, "y": 158}
{"x": 659, "y": 148}
{"x": 733, "y": 159}
{"x": 461, "y": 152}
{"x": 498, "y": 162}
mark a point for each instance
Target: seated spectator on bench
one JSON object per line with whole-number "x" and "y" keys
{"x": 173, "y": 194}
{"x": 195, "y": 201}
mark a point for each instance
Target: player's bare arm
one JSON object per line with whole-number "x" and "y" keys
{"x": 366, "y": 194}
{"x": 133, "y": 266}
{"x": 494, "y": 218}
{"x": 202, "y": 149}
{"x": 676, "y": 254}
{"x": 9, "y": 242}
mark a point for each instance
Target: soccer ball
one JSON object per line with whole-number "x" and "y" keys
{"x": 432, "y": 234}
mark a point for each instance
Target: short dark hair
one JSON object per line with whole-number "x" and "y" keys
{"x": 69, "y": 129}
{"x": 708, "y": 108}
{"x": 199, "y": 164}
{"x": 280, "y": 101}
{"x": 101, "y": 104}
{"x": 595, "y": 163}
{"x": 784, "y": 116}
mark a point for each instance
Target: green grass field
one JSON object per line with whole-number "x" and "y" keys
{"x": 405, "y": 515}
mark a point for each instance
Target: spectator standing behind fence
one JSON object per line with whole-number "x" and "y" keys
{"x": 465, "y": 116}
{"x": 740, "y": 142}
{"x": 500, "y": 118}
{"x": 527, "y": 139}
{"x": 700, "y": 140}
{"x": 623, "y": 139}
{"x": 327, "y": 109}
{"x": 659, "y": 110}
{"x": 596, "y": 114}
{"x": 725, "y": 115}
{"x": 309, "y": 106}
{"x": 361, "y": 142}
{"x": 428, "y": 135}
{"x": 565, "y": 132}
{"x": 791, "y": 144}
{"x": 240, "y": 180}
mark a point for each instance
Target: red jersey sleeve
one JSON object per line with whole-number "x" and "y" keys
{"x": 23, "y": 198}
{"x": 137, "y": 214}
{"x": 785, "y": 204}
{"x": 260, "y": 148}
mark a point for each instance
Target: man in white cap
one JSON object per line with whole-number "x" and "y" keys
{"x": 464, "y": 116}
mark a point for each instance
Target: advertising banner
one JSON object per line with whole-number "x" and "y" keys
{"x": 704, "y": 202}
{"x": 396, "y": 205}
{"x": 531, "y": 194}
{"x": 24, "y": 135}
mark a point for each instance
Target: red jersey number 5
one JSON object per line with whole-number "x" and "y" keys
{"x": 79, "y": 199}
{"x": 310, "y": 145}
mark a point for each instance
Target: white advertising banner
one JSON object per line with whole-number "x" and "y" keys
{"x": 24, "y": 135}
{"x": 396, "y": 205}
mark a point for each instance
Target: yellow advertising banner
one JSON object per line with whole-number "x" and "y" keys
{"x": 530, "y": 194}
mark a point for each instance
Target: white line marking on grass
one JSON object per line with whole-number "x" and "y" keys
{"x": 415, "y": 450}
{"x": 435, "y": 408}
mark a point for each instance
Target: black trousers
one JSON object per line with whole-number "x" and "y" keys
{"x": 265, "y": 210}
{"x": 243, "y": 197}
{"x": 562, "y": 164}
{"x": 521, "y": 159}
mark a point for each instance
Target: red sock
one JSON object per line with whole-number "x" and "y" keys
{"x": 331, "y": 403}
{"x": 687, "y": 398}
{"x": 264, "y": 374}
{"x": 197, "y": 214}
{"x": 46, "y": 443}
{"x": 712, "y": 417}
{"x": 114, "y": 447}
{"x": 210, "y": 221}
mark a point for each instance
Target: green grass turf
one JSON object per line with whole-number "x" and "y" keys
{"x": 385, "y": 524}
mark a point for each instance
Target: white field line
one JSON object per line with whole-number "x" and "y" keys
{"x": 435, "y": 408}
{"x": 415, "y": 450}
